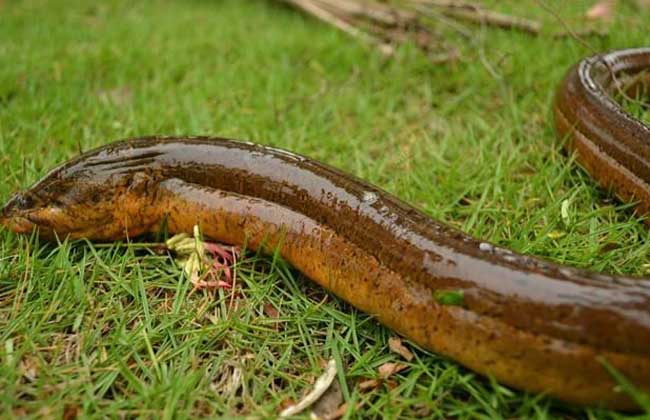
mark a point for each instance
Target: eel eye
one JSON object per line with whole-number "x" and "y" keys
{"x": 23, "y": 201}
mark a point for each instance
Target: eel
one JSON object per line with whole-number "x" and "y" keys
{"x": 528, "y": 323}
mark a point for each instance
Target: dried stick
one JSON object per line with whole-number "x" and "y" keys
{"x": 377, "y": 24}
{"x": 583, "y": 33}
{"x": 478, "y": 14}
{"x": 377, "y": 12}
{"x": 384, "y": 24}
{"x": 314, "y": 9}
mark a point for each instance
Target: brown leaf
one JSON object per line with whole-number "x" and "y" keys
{"x": 602, "y": 10}
{"x": 388, "y": 369}
{"x": 390, "y": 384}
{"x": 270, "y": 311}
{"x": 70, "y": 411}
{"x": 395, "y": 345}
{"x": 369, "y": 384}
{"x": 274, "y": 315}
{"x": 286, "y": 403}
{"x": 340, "y": 412}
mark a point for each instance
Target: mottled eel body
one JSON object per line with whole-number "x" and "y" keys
{"x": 528, "y": 323}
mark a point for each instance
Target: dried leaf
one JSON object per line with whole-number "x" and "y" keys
{"x": 369, "y": 384}
{"x": 71, "y": 411}
{"x": 395, "y": 345}
{"x": 284, "y": 404}
{"x": 602, "y": 10}
{"x": 390, "y": 384}
{"x": 340, "y": 412}
{"x": 321, "y": 385}
{"x": 388, "y": 369}
{"x": 270, "y": 311}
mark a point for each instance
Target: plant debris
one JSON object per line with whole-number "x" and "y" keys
{"x": 270, "y": 311}
{"x": 227, "y": 380}
{"x": 387, "y": 25}
{"x": 321, "y": 385}
{"x": 369, "y": 384}
{"x": 389, "y": 369}
{"x": 341, "y": 410}
{"x": 395, "y": 345}
{"x": 449, "y": 297}
{"x": 71, "y": 411}
{"x": 208, "y": 265}
{"x": 602, "y": 10}
{"x": 385, "y": 371}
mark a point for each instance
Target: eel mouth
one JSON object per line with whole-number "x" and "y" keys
{"x": 13, "y": 218}
{"x": 17, "y": 224}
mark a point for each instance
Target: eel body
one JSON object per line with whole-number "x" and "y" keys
{"x": 528, "y": 323}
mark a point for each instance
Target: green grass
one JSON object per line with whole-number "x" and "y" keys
{"x": 113, "y": 331}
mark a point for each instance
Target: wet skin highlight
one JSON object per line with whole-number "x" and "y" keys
{"x": 528, "y": 323}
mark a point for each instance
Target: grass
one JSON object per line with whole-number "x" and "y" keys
{"x": 114, "y": 332}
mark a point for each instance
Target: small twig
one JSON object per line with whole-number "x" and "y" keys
{"x": 385, "y": 25}
{"x": 567, "y": 27}
{"x": 478, "y": 14}
{"x": 588, "y": 32}
{"x": 577, "y": 36}
{"x": 374, "y": 23}
{"x": 445, "y": 20}
{"x": 377, "y": 12}
{"x": 332, "y": 19}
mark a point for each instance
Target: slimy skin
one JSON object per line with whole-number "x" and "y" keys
{"x": 609, "y": 143}
{"x": 528, "y": 323}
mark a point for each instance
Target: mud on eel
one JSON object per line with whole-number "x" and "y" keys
{"x": 528, "y": 323}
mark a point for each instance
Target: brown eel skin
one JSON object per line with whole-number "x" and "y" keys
{"x": 528, "y": 323}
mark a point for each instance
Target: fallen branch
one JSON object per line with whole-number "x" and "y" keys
{"x": 583, "y": 33}
{"x": 386, "y": 25}
{"x": 380, "y": 25}
{"x": 312, "y": 7}
{"x": 475, "y": 13}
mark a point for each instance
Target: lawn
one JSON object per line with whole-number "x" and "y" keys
{"x": 115, "y": 331}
